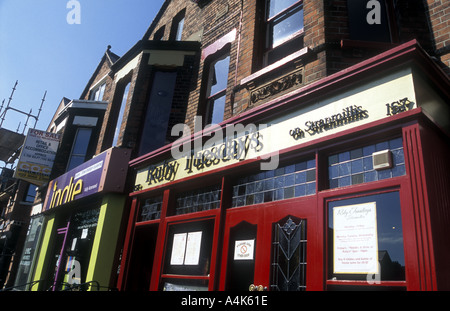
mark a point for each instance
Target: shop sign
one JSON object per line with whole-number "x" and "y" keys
{"x": 376, "y": 100}
{"x": 37, "y": 157}
{"x": 355, "y": 239}
{"x": 104, "y": 173}
{"x": 197, "y": 161}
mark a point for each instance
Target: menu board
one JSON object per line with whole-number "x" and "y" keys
{"x": 355, "y": 239}
{"x": 186, "y": 248}
{"x": 178, "y": 249}
{"x": 194, "y": 241}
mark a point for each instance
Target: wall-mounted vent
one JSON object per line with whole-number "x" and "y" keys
{"x": 382, "y": 160}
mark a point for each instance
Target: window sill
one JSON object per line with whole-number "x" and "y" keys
{"x": 275, "y": 66}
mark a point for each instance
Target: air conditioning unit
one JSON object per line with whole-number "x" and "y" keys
{"x": 382, "y": 159}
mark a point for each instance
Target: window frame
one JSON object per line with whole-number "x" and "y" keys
{"x": 30, "y": 194}
{"x": 394, "y": 143}
{"x": 211, "y": 98}
{"x": 269, "y": 24}
{"x": 123, "y": 104}
{"x": 176, "y": 30}
{"x": 159, "y": 34}
{"x": 98, "y": 92}
{"x": 72, "y": 154}
{"x": 354, "y": 284}
{"x": 357, "y": 32}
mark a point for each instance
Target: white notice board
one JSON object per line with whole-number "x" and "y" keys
{"x": 178, "y": 249}
{"x": 186, "y": 248}
{"x": 355, "y": 239}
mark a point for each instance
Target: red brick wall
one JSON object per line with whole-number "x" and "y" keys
{"x": 104, "y": 70}
{"x": 325, "y": 28}
{"x": 439, "y": 19}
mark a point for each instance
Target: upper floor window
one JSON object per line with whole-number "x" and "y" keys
{"x": 98, "y": 92}
{"x": 284, "y": 26}
{"x": 121, "y": 112}
{"x": 177, "y": 26}
{"x": 370, "y": 17}
{"x": 159, "y": 34}
{"x": 216, "y": 89}
{"x": 158, "y": 115}
{"x": 30, "y": 194}
{"x": 79, "y": 148}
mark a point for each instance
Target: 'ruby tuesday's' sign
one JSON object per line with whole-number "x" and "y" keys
{"x": 78, "y": 183}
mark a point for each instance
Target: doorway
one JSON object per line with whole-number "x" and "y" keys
{"x": 267, "y": 247}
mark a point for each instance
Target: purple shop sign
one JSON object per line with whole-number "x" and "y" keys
{"x": 104, "y": 173}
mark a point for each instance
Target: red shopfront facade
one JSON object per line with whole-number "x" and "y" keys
{"x": 343, "y": 188}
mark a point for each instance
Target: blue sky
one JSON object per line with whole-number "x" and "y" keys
{"x": 40, "y": 49}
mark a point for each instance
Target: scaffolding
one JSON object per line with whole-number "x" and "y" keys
{"x": 29, "y": 114}
{"x": 11, "y": 142}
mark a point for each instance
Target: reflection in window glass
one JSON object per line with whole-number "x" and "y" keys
{"x": 353, "y": 244}
{"x": 218, "y": 75}
{"x": 121, "y": 112}
{"x": 151, "y": 209}
{"x": 287, "y": 27}
{"x": 284, "y": 26}
{"x": 355, "y": 166}
{"x": 276, "y": 6}
{"x": 292, "y": 181}
{"x": 80, "y": 147}
{"x": 216, "y": 92}
{"x": 80, "y": 239}
{"x": 97, "y": 94}
{"x": 198, "y": 200}
{"x": 31, "y": 193}
{"x": 218, "y": 109}
{"x": 179, "y": 30}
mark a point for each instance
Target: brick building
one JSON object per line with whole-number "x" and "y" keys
{"x": 81, "y": 202}
{"x": 330, "y": 86}
{"x": 323, "y": 109}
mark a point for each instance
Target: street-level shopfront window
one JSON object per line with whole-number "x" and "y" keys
{"x": 365, "y": 242}
{"x": 151, "y": 208}
{"x": 357, "y": 165}
{"x": 291, "y": 181}
{"x": 27, "y": 260}
{"x": 72, "y": 258}
{"x": 204, "y": 199}
{"x": 187, "y": 262}
{"x": 363, "y": 245}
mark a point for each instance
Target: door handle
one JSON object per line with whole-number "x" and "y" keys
{"x": 257, "y": 288}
